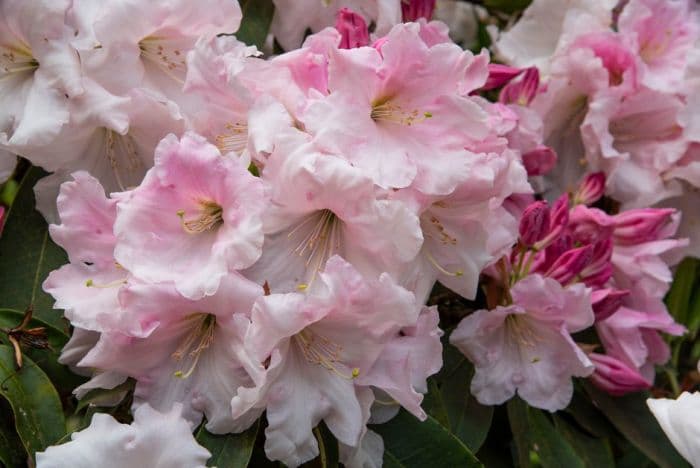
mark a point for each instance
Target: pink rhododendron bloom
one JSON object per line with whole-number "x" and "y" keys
{"x": 192, "y": 354}
{"x": 38, "y": 70}
{"x": 195, "y": 217}
{"x": 145, "y": 46}
{"x": 385, "y": 112}
{"x": 662, "y": 33}
{"x": 322, "y": 346}
{"x": 321, "y": 206}
{"x": 527, "y": 347}
{"x": 293, "y": 17}
{"x": 154, "y": 439}
{"x": 679, "y": 420}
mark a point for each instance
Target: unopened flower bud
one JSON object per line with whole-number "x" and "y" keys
{"x": 500, "y": 75}
{"x": 642, "y": 225}
{"x": 559, "y": 219}
{"x": 352, "y": 28}
{"x": 570, "y": 264}
{"x": 599, "y": 270}
{"x": 521, "y": 91}
{"x": 539, "y": 161}
{"x": 534, "y": 224}
{"x": 606, "y": 302}
{"x": 591, "y": 189}
{"x": 616, "y": 377}
{"x": 413, "y": 10}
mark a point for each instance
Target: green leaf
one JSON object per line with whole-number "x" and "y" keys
{"x": 11, "y": 449}
{"x": 409, "y": 442}
{"x": 257, "y": 17}
{"x": 678, "y": 298}
{"x": 693, "y": 318}
{"x": 229, "y": 450}
{"x": 594, "y": 451}
{"x": 61, "y": 376}
{"x": 38, "y": 414}
{"x": 27, "y": 255}
{"x": 507, "y": 6}
{"x": 631, "y": 416}
{"x": 450, "y": 403}
{"x": 534, "y": 433}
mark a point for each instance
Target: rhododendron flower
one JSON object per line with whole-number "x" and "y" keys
{"x": 154, "y": 439}
{"x": 145, "y": 46}
{"x": 615, "y": 377}
{"x": 527, "y": 347}
{"x": 38, "y": 70}
{"x": 192, "y": 352}
{"x": 195, "y": 217}
{"x": 320, "y": 347}
{"x": 386, "y": 111}
{"x": 321, "y": 206}
{"x": 679, "y": 420}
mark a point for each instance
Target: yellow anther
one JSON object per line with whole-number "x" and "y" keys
{"x": 302, "y": 287}
{"x": 355, "y": 372}
{"x": 89, "y": 283}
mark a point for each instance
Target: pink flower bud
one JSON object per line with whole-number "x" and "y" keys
{"x": 605, "y": 302}
{"x": 559, "y": 219}
{"x": 570, "y": 264}
{"x": 522, "y": 91}
{"x": 413, "y": 10}
{"x": 642, "y": 225}
{"x": 539, "y": 161}
{"x": 534, "y": 224}
{"x": 616, "y": 377}
{"x": 599, "y": 270}
{"x": 500, "y": 75}
{"x": 590, "y": 225}
{"x": 352, "y": 28}
{"x": 591, "y": 189}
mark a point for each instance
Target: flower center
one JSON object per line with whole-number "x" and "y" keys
{"x": 170, "y": 59}
{"x": 234, "y": 138}
{"x": 318, "y": 349}
{"x": 520, "y": 330}
{"x": 386, "y": 111}
{"x": 322, "y": 239}
{"x": 199, "y": 338}
{"x": 122, "y": 155}
{"x": 210, "y": 218}
{"x": 16, "y": 59}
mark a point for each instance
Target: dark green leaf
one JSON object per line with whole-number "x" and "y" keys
{"x": 678, "y": 298}
{"x": 409, "y": 442}
{"x": 588, "y": 416}
{"x": 532, "y": 427}
{"x": 595, "y": 452}
{"x": 631, "y": 416}
{"x": 229, "y": 450}
{"x": 11, "y": 450}
{"x": 27, "y": 255}
{"x": 38, "y": 414}
{"x": 257, "y": 16}
{"x": 693, "y": 318}
{"x": 450, "y": 403}
{"x": 507, "y": 6}
{"x": 61, "y": 376}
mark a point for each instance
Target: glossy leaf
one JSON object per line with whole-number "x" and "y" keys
{"x": 595, "y": 452}
{"x": 679, "y": 296}
{"x": 229, "y": 450}
{"x": 409, "y": 442}
{"x": 257, "y": 17}
{"x": 11, "y": 450}
{"x": 27, "y": 255}
{"x": 38, "y": 414}
{"x": 450, "y": 403}
{"x": 631, "y": 416}
{"x": 534, "y": 434}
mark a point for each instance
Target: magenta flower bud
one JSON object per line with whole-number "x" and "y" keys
{"x": 570, "y": 264}
{"x": 590, "y": 225}
{"x": 534, "y": 224}
{"x": 559, "y": 219}
{"x": 591, "y": 189}
{"x": 500, "y": 75}
{"x": 616, "y": 377}
{"x": 413, "y": 10}
{"x": 522, "y": 91}
{"x": 642, "y": 225}
{"x": 606, "y": 302}
{"x": 539, "y": 161}
{"x": 352, "y": 28}
{"x": 599, "y": 270}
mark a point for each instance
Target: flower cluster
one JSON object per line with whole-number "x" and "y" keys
{"x": 254, "y": 234}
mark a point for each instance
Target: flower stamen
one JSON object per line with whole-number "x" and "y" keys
{"x": 210, "y": 218}
{"x": 199, "y": 339}
{"x": 320, "y": 350}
